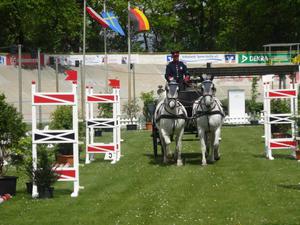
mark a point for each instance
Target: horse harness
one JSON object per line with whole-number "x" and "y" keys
{"x": 209, "y": 112}
{"x": 170, "y": 115}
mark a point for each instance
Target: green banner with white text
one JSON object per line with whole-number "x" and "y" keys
{"x": 257, "y": 58}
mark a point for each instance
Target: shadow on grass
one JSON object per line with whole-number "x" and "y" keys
{"x": 259, "y": 156}
{"x": 190, "y": 139}
{"x": 188, "y": 158}
{"x": 290, "y": 186}
{"x": 62, "y": 192}
{"x": 276, "y": 156}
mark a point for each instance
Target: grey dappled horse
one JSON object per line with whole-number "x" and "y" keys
{"x": 209, "y": 115}
{"x": 170, "y": 116}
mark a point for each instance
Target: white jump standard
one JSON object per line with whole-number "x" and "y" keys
{"x": 57, "y": 136}
{"x": 111, "y": 150}
{"x": 283, "y": 118}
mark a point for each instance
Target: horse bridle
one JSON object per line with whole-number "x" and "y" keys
{"x": 208, "y": 90}
{"x": 172, "y": 88}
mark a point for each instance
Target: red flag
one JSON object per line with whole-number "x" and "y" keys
{"x": 71, "y": 75}
{"x": 96, "y": 17}
{"x": 114, "y": 83}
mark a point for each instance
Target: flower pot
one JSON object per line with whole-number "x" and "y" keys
{"x": 148, "y": 126}
{"x": 8, "y": 185}
{"x": 278, "y": 135}
{"x": 298, "y": 154}
{"x": 131, "y": 127}
{"x": 45, "y": 192}
{"x": 64, "y": 159}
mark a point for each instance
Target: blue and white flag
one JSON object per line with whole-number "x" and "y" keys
{"x": 113, "y": 22}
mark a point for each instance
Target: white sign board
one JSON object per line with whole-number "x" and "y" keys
{"x": 236, "y": 103}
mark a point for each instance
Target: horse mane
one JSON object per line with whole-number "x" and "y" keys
{"x": 161, "y": 96}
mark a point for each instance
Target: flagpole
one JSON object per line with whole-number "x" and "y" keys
{"x": 105, "y": 51}
{"x": 83, "y": 60}
{"x": 129, "y": 55}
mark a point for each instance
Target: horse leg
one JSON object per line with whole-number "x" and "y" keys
{"x": 212, "y": 147}
{"x": 166, "y": 145}
{"x": 206, "y": 139}
{"x": 217, "y": 144}
{"x": 178, "y": 147}
{"x": 201, "y": 134}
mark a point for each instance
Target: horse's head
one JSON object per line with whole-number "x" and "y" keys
{"x": 208, "y": 91}
{"x": 172, "y": 89}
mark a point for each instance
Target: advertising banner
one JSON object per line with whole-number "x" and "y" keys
{"x": 27, "y": 60}
{"x": 93, "y": 60}
{"x": 263, "y": 58}
{"x": 205, "y": 58}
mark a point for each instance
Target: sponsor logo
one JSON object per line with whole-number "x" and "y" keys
{"x": 169, "y": 58}
{"x": 230, "y": 58}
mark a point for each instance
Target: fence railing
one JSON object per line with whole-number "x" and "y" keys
{"x": 243, "y": 120}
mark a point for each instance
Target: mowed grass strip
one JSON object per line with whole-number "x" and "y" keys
{"x": 242, "y": 188}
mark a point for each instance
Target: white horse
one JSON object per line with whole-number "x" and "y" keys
{"x": 170, "y": 116}
{"x": 209, "y": 115}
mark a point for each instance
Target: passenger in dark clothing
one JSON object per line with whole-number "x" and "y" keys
{"x": 177, "y": 70}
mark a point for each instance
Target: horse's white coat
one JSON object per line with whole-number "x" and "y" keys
{"x": 170, "y": 127}
{"x": 209, "y": 124}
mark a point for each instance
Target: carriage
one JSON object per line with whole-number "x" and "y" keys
{"x": 188, "y": 96}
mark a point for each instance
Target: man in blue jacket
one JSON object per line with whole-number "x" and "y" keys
{"x": 177, "y": 70}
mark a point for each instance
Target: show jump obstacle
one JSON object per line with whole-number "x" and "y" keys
{"x": 282, "y": 118}
{"x": 111, "y": 150}
{"x": 56, "y": 136}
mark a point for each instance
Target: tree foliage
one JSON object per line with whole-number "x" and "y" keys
{"x": 188, "y": 25}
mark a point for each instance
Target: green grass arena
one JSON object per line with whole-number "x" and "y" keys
{"x": 242, "y": 188}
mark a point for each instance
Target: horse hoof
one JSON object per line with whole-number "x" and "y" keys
{"x": 217, "y": 158}
{"x": 179, "y": 163}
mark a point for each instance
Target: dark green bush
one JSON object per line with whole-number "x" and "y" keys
{"x": 148, "y": 100}
{"x": 62, "y": 119}
{"x": 12, "y": 129}
{"x": 44, "y": 176}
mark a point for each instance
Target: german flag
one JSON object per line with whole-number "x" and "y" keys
{"x": 140, "y": 21}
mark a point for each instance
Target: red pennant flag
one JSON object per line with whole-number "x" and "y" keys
{"x": 71, "y": 75}
{"x": 96, "y": 17}
{"x": 114, "y": 83}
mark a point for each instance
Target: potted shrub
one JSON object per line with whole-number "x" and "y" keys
{"x": 253, "y": 106}
{"x": 61, "y": 119}
{"x": 131, "y": 109}
{"x": 148, "y": 107}
{"x": 22, "y": 158}
{"x": 44, "y": 175}
{"x": 12, "y": 129}
{"x": 280, "y": 106}
{"x": 105, "y": 110}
